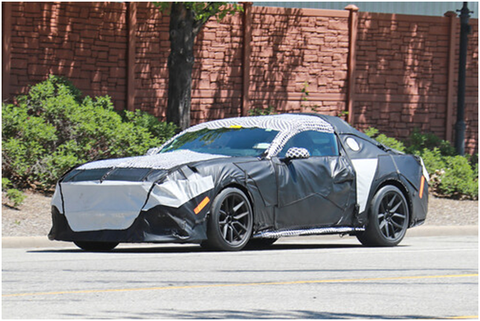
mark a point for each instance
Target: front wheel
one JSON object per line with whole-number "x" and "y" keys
{"x": 388, "y": 218}
{"x": 231, "y": 221}
{"x": 96, "y": 246}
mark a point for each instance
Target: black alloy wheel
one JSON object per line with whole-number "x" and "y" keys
{"x": 388, "y": 218}
{"x": 231, "y": 221}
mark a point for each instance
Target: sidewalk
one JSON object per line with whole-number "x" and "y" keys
{"x": 421, "y": 231}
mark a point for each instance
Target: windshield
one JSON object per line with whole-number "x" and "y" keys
{"x": 233, "y": 141}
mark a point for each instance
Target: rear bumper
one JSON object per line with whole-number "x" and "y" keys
{"x": 419, "y": 207}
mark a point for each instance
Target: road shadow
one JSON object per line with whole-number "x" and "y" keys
{"x": 194, "y": 248}
{"x": 266, "y": 314}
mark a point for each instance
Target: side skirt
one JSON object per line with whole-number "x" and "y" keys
{"x": 311, "y": 231}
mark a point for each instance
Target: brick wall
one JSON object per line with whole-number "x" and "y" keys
{"x": 152, "y": 48}
{"x": 84, "y": 42}
{"x": 295, "y": 50}
{"x": 217, "y": 74}
{"x": 297, "y": 60}
{"x": 402, "y": 75}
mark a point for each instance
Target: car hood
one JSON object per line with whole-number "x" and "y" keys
{"x": 148, "y": 168}
{"x": 158, "y": 161}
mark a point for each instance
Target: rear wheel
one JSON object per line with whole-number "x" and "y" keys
{"x": 231, "y": 221}
{"x": 388, "y": 218}
{"x": 96, "y": 246}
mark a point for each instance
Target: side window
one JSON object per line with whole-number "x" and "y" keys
{"x": 317, "y": 143}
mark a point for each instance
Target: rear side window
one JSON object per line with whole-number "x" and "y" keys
{"x": 317, "y": 143}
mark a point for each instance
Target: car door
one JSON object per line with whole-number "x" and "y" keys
{"x": 314, "y": 191}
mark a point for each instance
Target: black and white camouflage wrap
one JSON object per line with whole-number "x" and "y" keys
{"x": 287, "y": 126}
{"x": 154, "y": 161}
{"x": 168, "y": 197}
{"x": 297, "y": 153}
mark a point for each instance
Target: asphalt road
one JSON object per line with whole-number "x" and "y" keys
{"x": 312, "y": 277}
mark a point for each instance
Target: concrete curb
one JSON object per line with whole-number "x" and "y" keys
{"x": 31, "y": 242}
{"x": 443, "y": 231}
{"x": 421, "y": 231}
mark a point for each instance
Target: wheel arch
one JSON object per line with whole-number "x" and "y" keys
{"x": 244, "y": 190}
{"x": 240, "y": 187}
{"x": 401, "y": 186}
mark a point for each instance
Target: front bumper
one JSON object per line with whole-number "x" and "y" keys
{"x": 159, "y": 224}
{"x": 172, "y": 210}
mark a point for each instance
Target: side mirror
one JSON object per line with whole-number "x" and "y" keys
{"x": 297, "y": 153}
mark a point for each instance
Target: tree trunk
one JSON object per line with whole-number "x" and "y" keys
{"x": 183, "y": 30}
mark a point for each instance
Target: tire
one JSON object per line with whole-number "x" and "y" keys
{"x": 231, "y": 221}
{"x": 96, "y": 246}
{"x": 388, "y": 218}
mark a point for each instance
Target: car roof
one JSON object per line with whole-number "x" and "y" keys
{"x": 281, "y": 123}
{"x": 288, "y": 125}
{"x": 343, "y": 129}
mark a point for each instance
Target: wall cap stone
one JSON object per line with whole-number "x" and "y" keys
{"x": 351, "y": 7}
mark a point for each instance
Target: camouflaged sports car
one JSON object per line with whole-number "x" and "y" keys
{"x": 245, "y": 181}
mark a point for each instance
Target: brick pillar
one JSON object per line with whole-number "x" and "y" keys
{"x": 352, "y": 43}
{"x": 451, "y": 75}
{"x": 247, "y": 50}
{"x": 132, "y": 28}
{"x": 6, "y": 48}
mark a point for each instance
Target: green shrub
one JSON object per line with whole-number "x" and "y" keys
{"x": 417, "y": 142}
{"x": 385, "y": 140}
{"x": 433, "y": 159}
{"x": 452, "y": 176}
{"x": 459, "y": 179}
{"x": 270, "y": 110}
{"x": 160, "y": 130}
{"x": 15, "y": 196}
{"x": 5, "y": 183}
{"x": 52, "y": 129}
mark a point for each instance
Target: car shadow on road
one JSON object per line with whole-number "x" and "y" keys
{"x": 267, "y": 314}
{"x": 193, "y": 248}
